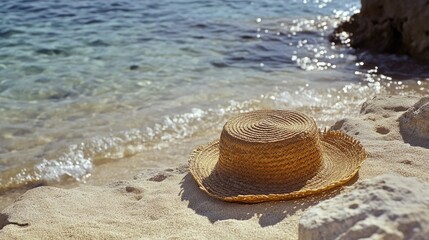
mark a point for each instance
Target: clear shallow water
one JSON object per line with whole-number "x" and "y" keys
{"x": 87, "y": 82}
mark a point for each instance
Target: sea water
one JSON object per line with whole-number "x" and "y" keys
{"x": 87, "y": 82}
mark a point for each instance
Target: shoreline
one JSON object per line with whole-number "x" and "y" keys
{"x": 119, "y": 170}
{"x": 148, "y": 200}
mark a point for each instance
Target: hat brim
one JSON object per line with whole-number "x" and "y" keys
{"x": 342, "y": 157}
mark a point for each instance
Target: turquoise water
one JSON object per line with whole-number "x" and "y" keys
{"x": 84, "y": 82}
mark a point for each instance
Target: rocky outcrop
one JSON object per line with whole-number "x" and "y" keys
{"x": 389, "y": 26}
{"x": 377, "y": 128}
{"x": 414, "y": 123}
{"x": 384, "y": 207}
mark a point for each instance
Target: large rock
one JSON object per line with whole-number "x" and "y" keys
{"x": 398, "y": 26}
{"x": 384, "y": 207}
{"x": 414, "y": 123}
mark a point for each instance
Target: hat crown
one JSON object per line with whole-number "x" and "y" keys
{"x": 270, "y": 146}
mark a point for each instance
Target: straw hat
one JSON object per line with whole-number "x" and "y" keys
{"x": 269, "y": 155}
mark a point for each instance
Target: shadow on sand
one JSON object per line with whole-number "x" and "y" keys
{"x": 268, "y": 213}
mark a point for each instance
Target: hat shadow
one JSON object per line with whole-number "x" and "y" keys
{"x": 268, "y": 213}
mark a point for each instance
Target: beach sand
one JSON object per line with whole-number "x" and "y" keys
{"x": 158, "y": 202}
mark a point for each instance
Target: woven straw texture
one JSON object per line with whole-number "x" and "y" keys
{"x": 269, "y": 155}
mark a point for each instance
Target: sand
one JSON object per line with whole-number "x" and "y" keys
{"x": 161, "y": 203}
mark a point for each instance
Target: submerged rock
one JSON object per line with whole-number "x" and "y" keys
{"x": 134, "y": 67}
{"x": 385, "y": 207}
{"x": 389, "y": 26}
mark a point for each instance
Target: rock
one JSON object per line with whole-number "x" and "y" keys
{"x": 389, "y": 150}
{"x": 385, "y": 104}
{"x": 52, "y": 52}
{"x": 388, "y": 26}
{"x": 134, "y": 67}
{"x": 385, "y": 207}
{"x": 415, "y": 121}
